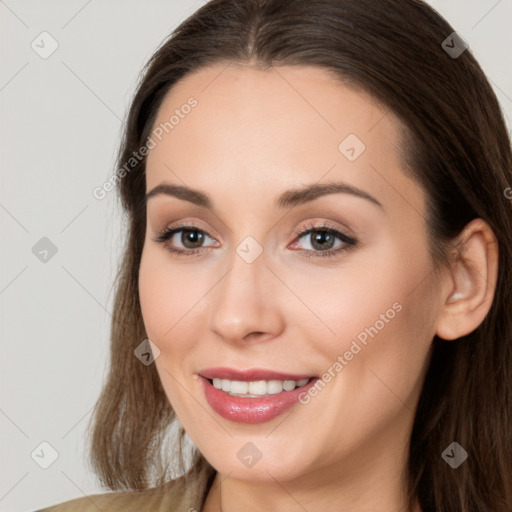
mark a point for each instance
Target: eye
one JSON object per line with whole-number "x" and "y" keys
{"x": 191, "y": 239}
{"x": 324, "y": 240}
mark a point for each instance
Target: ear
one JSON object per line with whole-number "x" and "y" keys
{"x": 469, "y": 289}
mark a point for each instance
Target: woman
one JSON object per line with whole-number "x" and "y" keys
{"x": 319, "y": 238}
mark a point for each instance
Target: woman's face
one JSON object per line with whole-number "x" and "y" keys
{"x": 352, "y": 310}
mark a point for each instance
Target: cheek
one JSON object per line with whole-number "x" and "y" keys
{"x": 166, "y": 295}
{"x": 375, "y": 361}
{"x": 364, "y": 292}
{"x": 167, "y": 302}
{"x": 154, "y": 298}
{"x": 393, "y": 324}
{"x": 377, "y": 316}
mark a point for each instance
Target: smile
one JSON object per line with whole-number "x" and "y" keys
{"x": 252, "y": 396}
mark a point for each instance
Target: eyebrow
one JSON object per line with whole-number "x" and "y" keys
{"x": 287, "y": 199}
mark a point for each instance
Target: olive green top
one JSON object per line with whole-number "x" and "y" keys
{"x": 179, "y": 495}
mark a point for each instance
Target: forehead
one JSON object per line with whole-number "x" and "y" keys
{"x": 276, "y": 128}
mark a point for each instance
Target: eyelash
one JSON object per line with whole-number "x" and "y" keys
{"x": 349, "y": 242}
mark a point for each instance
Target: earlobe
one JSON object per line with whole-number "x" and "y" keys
{"x": 470, "y": 288}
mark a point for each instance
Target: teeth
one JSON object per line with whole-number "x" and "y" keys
{"x": 258, "y": 387}
{"x": 288, "y": 385}
{"x": 239, "y": 387}
{"x": 274, "y": 386}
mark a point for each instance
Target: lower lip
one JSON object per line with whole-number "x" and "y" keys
{"x": 252, "y": 410}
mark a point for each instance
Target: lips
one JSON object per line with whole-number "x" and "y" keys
{"x": 254, "y": 409}
{"x": 251, "y": 374}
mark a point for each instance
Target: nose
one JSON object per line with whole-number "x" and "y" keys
{"x": 245, "y": 304}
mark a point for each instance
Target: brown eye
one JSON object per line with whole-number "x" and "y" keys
{"x": 184, "y": 240}
{"x": 192, "y": 238}
{"x": 322, "y": 240}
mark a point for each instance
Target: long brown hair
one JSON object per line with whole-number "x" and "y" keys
{"x": 457, "y": 147}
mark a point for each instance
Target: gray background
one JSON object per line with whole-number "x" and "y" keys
{"x": 61, "y": 121}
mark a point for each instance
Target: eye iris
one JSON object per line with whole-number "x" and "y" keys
{"x": 192, "y": 236}
{"x": 322, "y": 240}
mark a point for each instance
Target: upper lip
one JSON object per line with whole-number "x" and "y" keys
{"x": 250, "y": 374}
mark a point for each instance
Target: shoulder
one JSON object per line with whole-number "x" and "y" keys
{"x": 167, "y": 498}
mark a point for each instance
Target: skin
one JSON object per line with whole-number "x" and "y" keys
{"x": 254, "y": 134}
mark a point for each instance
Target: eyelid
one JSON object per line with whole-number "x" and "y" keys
{"x": 324, "y": 225}
{"x": 192, "y": 225}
